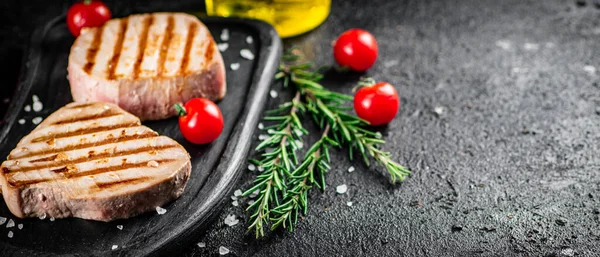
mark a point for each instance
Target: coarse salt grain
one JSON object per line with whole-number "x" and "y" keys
{"x": 261, "y": 126}
{"x": 250, "y": 202}
{"x": 222, "y": 46}
{"x": 300, "y": 144}
{"x": 351, "y": 169}
{"x": 36, "y": 120}
{"x": 531, "y": 46}
{"x": 114, "y": 247}
{"x": 262, "y": 137}
{"x": 27, "y": 108}
{"x": 10, "y": 234}
{"x": 20, "y": 226}
{"x": 238, "y": 192}
{"x": 439, "y": 110}
{"x": 235, "y": 203}
{"x": 234, "y": 66}
{"x": 52, "y": 219}
{"x": 223, "y": 250}
{"x": 504, "y": 44}
{"x": 273, "y": 94}
{"x": 261, "y": 168}
{"x": 35, "y": 98}
{"x": 233, "y": 197}
{"x": 43, "y": 216}
{"x": 120, "y": 227}
{"x": 201, "y": 245}
{"x": 2, "y": 220}
{"x": 10, "y": 224}
{"x": 160, "y": 210}
{"x": 589, "y": 69}
{"x": 251, "y": 167}
{"x": 231, "y": 220}
{"x": 245, "y": 53}
{"x": 21, "y": 121}
{"x": 37, "y": 106}
{"x": 225, "y": 34}
{"x": 254, "y": 194}
{"x": 341, "y": 189}
{"x": 349, "y": 203}
{"x": 249, "y": 40}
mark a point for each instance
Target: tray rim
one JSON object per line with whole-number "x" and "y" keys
{"x": 225, "y": 174}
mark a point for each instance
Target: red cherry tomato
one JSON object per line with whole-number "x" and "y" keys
{"x": 200, "y": 120}
{"x": 356, "y": 49}
{"x": 87, "y": 14}
{"x": 377, "y": 104}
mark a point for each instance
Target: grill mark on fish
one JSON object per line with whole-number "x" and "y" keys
{"x": 45, "y": 159}
{"x": 86, "y": 145}
{"x": 188, "y": 48}
{"x": 84, "y": 131}
{"x": 142, "y": 45}
{"x": 75, "y": 107}
{"x": 105, "y": 114}
{"x": 93, "y": 50}
{"x": 105, "y": 185}
{"x": 71, "y": 175}
{"x": 164, "y": 48}
{"x": 114, "y": 60}
{"x": 210, "y": 49}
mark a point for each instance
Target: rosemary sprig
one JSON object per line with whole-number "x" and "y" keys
{"x": 284, "y": 181}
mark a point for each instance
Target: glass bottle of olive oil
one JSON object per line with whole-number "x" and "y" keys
{"x": 289, "y": 17}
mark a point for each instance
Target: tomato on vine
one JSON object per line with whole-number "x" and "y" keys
{"x": 200, "y": 120}
{"x": 356, "y": 49}
{"x": 376, "y": 103}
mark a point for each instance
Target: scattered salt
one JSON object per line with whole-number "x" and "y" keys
{"x": 20, "y": 226}
{"x": 341, "y": 189}
{"x": 114, "y": 247}
{"x": 234, "y": 66}
{"x": 349, "y": 203}
{"x": 21, "y": 121}
{"x": 231, "y": 220}
{"x": 254, "y": 194}
{"x": 223, "y": 250}
{"x": 120, "y": 227}
{"x": 261, "y": 126}
{"x": 233, "y": 197}
{"x": 222, "y": 46}
{"x": 300, "y": 144}
{"x": 249, "y": 40}
{"x": 589, "y": 69}
{"x": 250, "y": 202}
{"x": 225, "y": 34}
{"x": 2, "y": 220}
{"x": 271, "y": 131}
{"x": 531, "y": 46}
{"x": 10, "y": 224}
{"x": 251, "y": 167}
{"x": 160, "y": 210}
{"x": 10, "y": 234}
{"x": 439, "y": 110}
{"x": 504, "y": 44}
{"x": 263, "y": 137}
{"x": 201, "y": 245}
{"x": 273, "y": 93}
{"x": 52, "y": 219}
{"x": 235, "y": 203}
{"x": 37, "y": 106}
{"x": 43, "y": 216}
{"x": 247, "y": 54}
{"x": 27, "y": 108}
{"x": 36, "y": 120}
{"x": 261, "y": 168}
{"x": 351, "y": 169}
{"x": 35, "y": 98}
{"x": 238, "y": 192}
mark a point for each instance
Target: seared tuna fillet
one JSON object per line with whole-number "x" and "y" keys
{"x": 92, "y": 161}
{"x": 146, "y": 63}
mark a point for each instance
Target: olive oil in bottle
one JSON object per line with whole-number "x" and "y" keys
{"x": 289, "y": 17}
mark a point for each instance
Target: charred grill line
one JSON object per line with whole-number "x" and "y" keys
{"x": 93, "y": 50}
{"x": 114, "y": 60}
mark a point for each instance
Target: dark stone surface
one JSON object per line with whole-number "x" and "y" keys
{"x": 509, "y": 168}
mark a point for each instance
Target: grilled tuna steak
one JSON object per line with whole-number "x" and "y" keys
{"x": 92, "y": 161}
{"x": 145, "y": 63}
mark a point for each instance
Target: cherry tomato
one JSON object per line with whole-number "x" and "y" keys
{"x": 200, "y": 120}
{"x": 87, "y": 14}
{"x": 377, "y": 103}
{"x": 356, "y": 49}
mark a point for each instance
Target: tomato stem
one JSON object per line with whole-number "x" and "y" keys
{"x": 364, "y": 82}
{"x": 87, "y": 2}
{"x": 180, "y": 110}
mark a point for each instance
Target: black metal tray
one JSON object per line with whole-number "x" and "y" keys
{"x": 215, "y": 167}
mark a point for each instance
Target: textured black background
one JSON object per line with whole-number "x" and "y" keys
{"x": 509, "y": 168}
